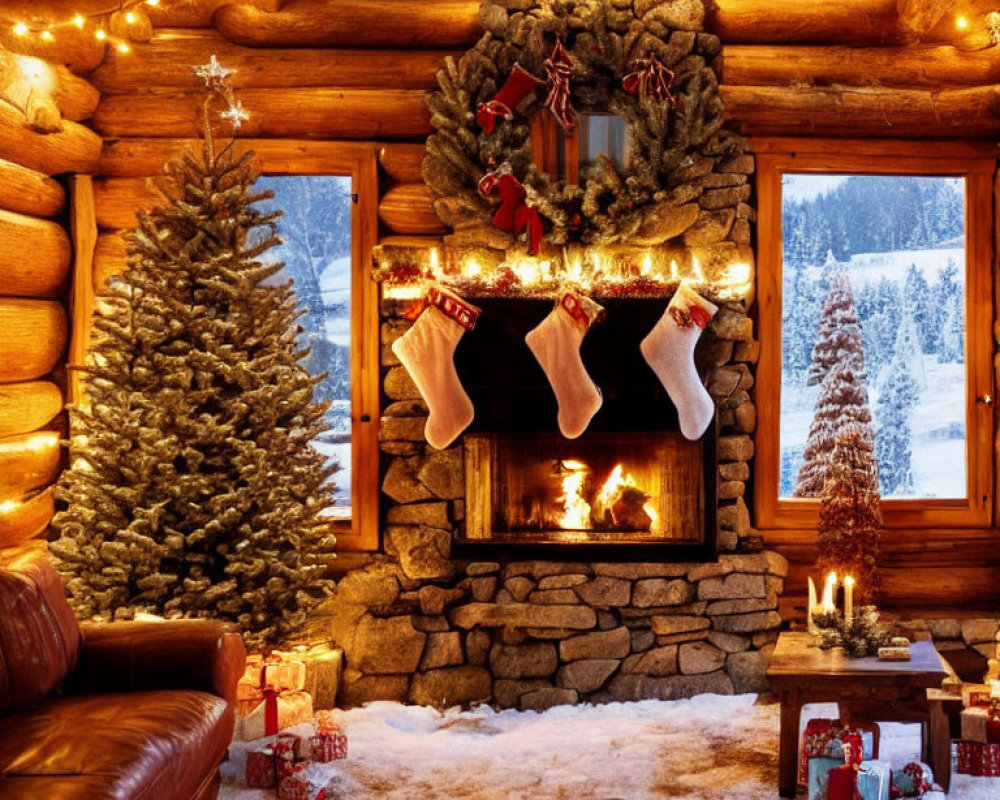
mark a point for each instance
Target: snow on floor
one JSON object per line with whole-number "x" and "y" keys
{"x": 707, "y": 748}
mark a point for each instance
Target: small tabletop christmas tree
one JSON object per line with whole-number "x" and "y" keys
{"x": 194, "y": 489}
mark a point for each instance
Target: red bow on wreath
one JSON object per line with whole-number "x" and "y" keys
{"x": 514, "y": 215}
{"x": 557, "y": 70}
{"x": 649, "y": 76}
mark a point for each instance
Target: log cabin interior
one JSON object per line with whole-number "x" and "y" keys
{"x": 452, "y": 378}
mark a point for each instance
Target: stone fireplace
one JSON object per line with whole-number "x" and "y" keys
{"x": 521, "y": 568}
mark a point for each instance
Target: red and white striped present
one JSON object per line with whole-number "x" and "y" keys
{"x": 303, "y": 784}
{"x": 978, "y": 758}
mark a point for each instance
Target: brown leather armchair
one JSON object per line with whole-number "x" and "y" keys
{"x": 107, "y": 711}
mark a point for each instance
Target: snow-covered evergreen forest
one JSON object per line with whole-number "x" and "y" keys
{"x": 316, "y": 229}
{"x": 900, "y": 242}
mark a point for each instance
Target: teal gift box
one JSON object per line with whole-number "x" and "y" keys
{"x": 873, "y": 779}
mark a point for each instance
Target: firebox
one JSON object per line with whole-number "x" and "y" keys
{"x": 630, "y": 488}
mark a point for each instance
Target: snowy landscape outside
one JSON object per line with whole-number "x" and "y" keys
{"x": 900, "y": 241}
{"x": 316, "y": 229}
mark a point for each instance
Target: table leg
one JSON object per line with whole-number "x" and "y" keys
{"x": 788, "y": 749}
{"x": 940, "y": 744}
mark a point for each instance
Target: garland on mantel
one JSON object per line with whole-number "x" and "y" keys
{"x": 599, "y": 56}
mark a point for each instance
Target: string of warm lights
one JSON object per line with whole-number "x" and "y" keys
{"x": 45, "y": 31}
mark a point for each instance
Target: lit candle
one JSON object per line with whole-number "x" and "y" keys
{"x": 848, "y": 599}
{"x": 829, "y": 607}
{"x": 811, "y": 606}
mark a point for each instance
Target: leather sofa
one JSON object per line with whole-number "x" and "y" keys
{"x": 112, "y": 711}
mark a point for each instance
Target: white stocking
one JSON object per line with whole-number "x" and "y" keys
{"x": 669, "y": 350}
{"x": 555, "y": 342}
{"x": 427, "y": 350}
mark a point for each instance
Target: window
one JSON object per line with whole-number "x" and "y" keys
{"x": 316, "y": 251}
{"x": 329, "y": 195}
{"x": 875, "y": 306}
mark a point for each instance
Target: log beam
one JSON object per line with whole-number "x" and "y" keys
{"x": 78, "y": 49}
{"x": 28, "y": 191}
{"x": 364, "y": 23}
{"x": 197, "y": 13}
{"x": 28, "y": 461}
{"x": 408, "y": 208}
{"x": 26, "y": 407}
{"x": 116, "y": 201}
{"x": 401, "y": 162}
{"x": 73, "y": 149}
{"x": 931, "y": 66}
{"x": 33, "y": 337}
{"x": 174, "y": 51}
{"x": 134, "y": 158}
{"x": 76, "y": 98}
{"x": 25, "y": 519}
{"x": 34, "y": 256}
{"x": 918, "y": 17}
{"x": 310, "y": 113}
{"x": 899, "y": 113}
{"x": 852, "y": 22}
{"x": 110, "y": 258}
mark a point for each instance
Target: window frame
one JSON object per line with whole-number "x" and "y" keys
{"x": 890, "y": 158}
{"x": 278, "y": 157}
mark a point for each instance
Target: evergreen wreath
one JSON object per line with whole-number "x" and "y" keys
{"x": 671, "y": 139}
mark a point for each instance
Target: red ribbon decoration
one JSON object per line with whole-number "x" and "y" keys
{"x": 270, "y": 712}
{"x": 514, "y": 214}
{"x": 649, "y": 76}
{"x": 557, "y": 70}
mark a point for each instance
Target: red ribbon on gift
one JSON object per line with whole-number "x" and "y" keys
{"x": 270, "y": 712}
{"x": 649, "y": 76}
{"x": 558, "y": 68}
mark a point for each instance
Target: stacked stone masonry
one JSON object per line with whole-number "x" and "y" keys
{"x": 532, "y": 634}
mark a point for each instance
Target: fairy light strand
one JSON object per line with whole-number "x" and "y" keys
{"x": 45, "y": 31}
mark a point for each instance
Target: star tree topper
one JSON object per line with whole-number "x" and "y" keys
{"x": 216, "y": 78}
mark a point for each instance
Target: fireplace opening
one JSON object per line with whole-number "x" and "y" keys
{"x": 626, "y": 489}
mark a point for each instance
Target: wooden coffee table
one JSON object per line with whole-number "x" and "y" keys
{"x": 866, "y": 689}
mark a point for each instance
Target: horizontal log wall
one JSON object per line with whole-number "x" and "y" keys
{"x": 35, "y": 259}
{"x": 336, "y": 72}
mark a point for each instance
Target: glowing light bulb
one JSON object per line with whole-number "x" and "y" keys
{"x": 79, "y": 21}
{"x": 123, "y": 48}
{"x": 130, "y": 17}
{"x": 101, "y": 35}
{"x": 21, "y": 29}
{"x": 47, "y": 35}
{"x": 961, "y": 23}
{"x": 152, "y": 2}
{"x": 8, "y": 505}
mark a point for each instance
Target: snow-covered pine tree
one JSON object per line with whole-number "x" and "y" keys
{"x": 893, "y": 409}
{"x": 843, "y": 400}
{"x": 941, "y": 297}
{"x": 850, "y": 520}
{"x": 839, "y": 335}
{"x": 917, "y": 292}
{"x": 195, "y": 490}
{"x": 907, "y": 350}
{"x": 952, "y": 347}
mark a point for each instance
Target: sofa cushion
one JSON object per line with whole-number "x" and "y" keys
{"x": 39, "y": 636}
{"x": 156, "y": 745}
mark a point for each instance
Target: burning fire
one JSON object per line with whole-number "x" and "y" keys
{"x": 619, "y": 503}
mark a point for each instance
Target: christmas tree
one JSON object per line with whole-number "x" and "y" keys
{"x": 194, "y": 489}
{"x": 850, "y": 521}
{"x": 839, "y": 335}
{"x": 892, "y": 441}
{"x": 843, "y": 399}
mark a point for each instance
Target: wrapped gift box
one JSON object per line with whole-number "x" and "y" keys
{"x": 328, "y": 745}
{"x": 282, "y": 710}
{"x": 261, "y": 772}
{"x": 976, "y": 694}
{"x": 304, "y": 783}
{"x": 913, "y": 780}
{"x": 872, "y": 779}
{"x": 284, "y": 675}
{"x": 323, "y": 665}
{"x": 824, "y": 737}
{"x": 974, "y": 724}
{"x": 976, "y": 758}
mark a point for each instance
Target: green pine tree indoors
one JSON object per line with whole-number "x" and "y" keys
{"x": 194, "y": 489}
